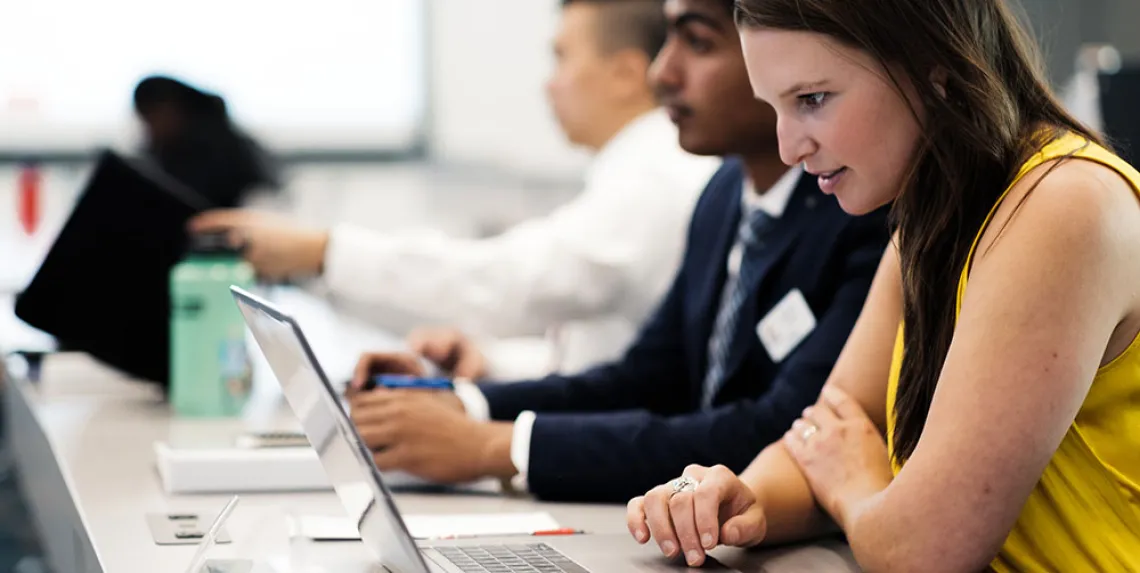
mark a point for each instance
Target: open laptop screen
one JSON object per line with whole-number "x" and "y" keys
{"x": 342, "y": 452}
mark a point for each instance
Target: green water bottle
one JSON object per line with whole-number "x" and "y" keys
{"x": 210, "y": 373}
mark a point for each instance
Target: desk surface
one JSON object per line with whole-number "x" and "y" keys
{"x": 99, "y": 431}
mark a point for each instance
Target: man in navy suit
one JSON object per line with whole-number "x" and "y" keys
{"x": 773, "y": 279}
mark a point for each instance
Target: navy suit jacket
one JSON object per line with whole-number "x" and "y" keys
{"x": 615, "y": 431}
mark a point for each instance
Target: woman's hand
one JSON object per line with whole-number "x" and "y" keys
{"x": 841, "y": 453}
{"x": 721, "y": 509}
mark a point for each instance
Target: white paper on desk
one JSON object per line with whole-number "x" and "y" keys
{"x": 321, "y": 528}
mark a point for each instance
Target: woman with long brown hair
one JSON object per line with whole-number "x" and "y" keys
{"x": 986, "y": 409}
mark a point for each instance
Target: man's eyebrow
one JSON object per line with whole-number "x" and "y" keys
{"x": 697, "y": 18}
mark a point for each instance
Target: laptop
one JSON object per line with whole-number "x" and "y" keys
{"x": 103, "y": 287}
{"x": 369, "y": 503}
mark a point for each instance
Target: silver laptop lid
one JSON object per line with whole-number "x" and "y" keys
{"x": 347, "y": 461}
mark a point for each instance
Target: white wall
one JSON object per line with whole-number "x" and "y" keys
{"x": 489, "y": 61}
{"x": 347, "y": 75}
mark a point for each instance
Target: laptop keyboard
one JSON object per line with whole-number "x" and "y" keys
{"x": 536, "y": 558}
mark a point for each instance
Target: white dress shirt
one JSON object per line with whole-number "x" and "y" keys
{"x": 594, "y": 268}
{"x": 773, "y": 202}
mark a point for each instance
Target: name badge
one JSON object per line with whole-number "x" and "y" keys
{"x": 786, "y": 326}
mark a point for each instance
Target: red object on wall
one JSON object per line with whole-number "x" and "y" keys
{"x": 28, "y": 197}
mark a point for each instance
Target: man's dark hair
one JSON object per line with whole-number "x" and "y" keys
{"x": 624, "y": 24}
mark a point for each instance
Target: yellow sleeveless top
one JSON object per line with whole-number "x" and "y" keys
{"x": 1084, "y": 513}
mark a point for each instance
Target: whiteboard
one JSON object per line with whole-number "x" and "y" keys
{"x": 331, "y": 74}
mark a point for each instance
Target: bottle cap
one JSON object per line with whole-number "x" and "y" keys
{"x": 212, "y": 243}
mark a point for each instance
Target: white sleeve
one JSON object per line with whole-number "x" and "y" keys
{"x": 520, "y": 449}
{"x": 473, "y": 401}
{"x": 624, "y": 232}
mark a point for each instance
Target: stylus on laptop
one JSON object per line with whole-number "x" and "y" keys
{"x": 211, "y": 536}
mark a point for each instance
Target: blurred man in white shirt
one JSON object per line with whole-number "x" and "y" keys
{"x": 589, "y": 271}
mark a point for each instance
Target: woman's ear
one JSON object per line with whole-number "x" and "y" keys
{"x": 938, "y": 79}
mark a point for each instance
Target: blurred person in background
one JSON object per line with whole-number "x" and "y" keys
{"x": 591, "y": 270}
{"x": 189, "y": 134}
{"x": 1081, "y": 94}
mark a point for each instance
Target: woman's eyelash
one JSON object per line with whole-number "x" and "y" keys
{"x": 813, "y": 100}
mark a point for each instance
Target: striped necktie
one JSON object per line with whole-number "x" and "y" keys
{"x": 732, "y": 298}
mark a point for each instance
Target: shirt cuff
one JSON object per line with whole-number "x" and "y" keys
{"x": 342, "y": 258}
{"x": 520, "y": 449}
{"x": 474, "y": 402}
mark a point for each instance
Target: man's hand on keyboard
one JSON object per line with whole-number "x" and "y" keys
{"x": 428, "y": 434}
{"x": 450, "y": 349}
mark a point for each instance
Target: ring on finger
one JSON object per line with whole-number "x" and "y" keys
{"x": 682, "y": 484}
{"x": 809, "y": 431}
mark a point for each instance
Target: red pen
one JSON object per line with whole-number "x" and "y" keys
{"x": 563, "y": 531}
{"x": 542, "y": 532}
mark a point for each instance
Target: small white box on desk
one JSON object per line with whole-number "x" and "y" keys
{"x": 222, "y": 469}
{"x": 232, "y": 470}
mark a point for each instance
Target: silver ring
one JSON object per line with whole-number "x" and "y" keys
{"x": 683, "y": 483}
{"x": 809, "y": 432}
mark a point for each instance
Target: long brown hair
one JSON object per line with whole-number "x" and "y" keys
{"x": 995, "y": 113}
